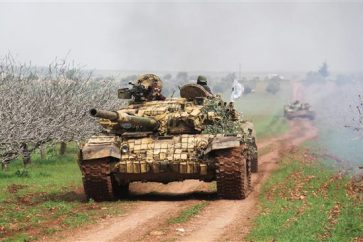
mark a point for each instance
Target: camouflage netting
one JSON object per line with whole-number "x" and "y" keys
{"x": 224, "y": 123}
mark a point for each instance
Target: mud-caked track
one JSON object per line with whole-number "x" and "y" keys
{"x": 254, "y": 166}
{"x": 254, "y": 162}
{"x": 96, "y": 179}
{"x": 233, "y": 174}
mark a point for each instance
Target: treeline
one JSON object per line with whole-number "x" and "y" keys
{"x": 323, "y": 75}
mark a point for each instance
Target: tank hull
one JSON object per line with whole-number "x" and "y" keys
{"x": 163, "y": 159}
{"x": 108, "y": 166}
{"x": 300, "y": 114}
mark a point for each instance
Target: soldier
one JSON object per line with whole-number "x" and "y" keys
{"x": 146, "y": 88}
{"x": 202, "y": 80}
{"x": 154, "y": 92}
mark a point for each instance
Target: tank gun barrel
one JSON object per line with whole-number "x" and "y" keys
{"x": 123, "y": 118}
{"x": 111, "y": 115}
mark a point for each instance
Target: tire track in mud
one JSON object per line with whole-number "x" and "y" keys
{"x": 303, "y": 130}
{"x": 218, "y": 216}
{"x": 220, "y": 220}
{"x": 108, "y": 230}
{"x": 145, "y": 215}
{"x": 231, "y": 220}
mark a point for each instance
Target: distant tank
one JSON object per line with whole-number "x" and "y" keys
{"x": 197, "y": 136}
{"x": 298, "y": 110}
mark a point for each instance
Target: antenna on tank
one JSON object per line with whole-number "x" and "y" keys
{"x": 239, "y": 72}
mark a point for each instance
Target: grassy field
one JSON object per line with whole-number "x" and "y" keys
{"x": 266, "y": 110}
{"x": 47, "y": 197}
{"x": 305, "y": 200}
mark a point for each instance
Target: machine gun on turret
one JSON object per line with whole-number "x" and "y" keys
{"x": 138, "y": 92}
{"x": 147, "y": 88}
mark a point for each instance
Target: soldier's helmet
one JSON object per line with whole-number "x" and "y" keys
{"x": 202, "y": 80}
{"x": 149, "y": 80}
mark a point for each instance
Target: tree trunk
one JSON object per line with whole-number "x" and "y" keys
{"x": 4, "y": 165}
{"x": 26, "y": 154}
{"x": 43, "y": 154}
{"x": 63, "y": 147}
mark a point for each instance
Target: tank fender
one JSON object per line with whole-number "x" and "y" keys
{"x": 219, "y": 143}
{"x": 90, "y": 152}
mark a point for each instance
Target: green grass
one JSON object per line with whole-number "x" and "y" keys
{"x": 46, "y": 197}
{"x": 188, "y": 213}
{"x": 50, "y": 175}
{"x": 266, "y": 110}
{"x": 268, "y": 126}
{"x": 307, "y": 201}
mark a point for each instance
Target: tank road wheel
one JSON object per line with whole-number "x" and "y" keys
{"x": 254, "y": 164}
{"x": 233, "y": 174}
{"x": 253, "y": 156}
{"x": 249, "y": 176}
{"x": 97, "y": 182}
{"x": 120, "y": 191}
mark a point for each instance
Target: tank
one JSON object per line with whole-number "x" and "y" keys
{"x": 196, "y": 136}
{"x": 298, "y": 110}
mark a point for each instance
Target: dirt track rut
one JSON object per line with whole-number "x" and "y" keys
{"x": 231, "y": 220}
{"x": 221, "y": 220}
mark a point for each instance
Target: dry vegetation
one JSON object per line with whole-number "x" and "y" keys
{"x": 307, "y": 200}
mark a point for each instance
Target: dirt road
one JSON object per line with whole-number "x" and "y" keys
{"x": 221, "y": 219}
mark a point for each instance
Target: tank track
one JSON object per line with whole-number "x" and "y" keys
{"x": 249, "y": 176}
{"x": 254, "y": 159}
{"x": 233, "y": 174}
{"x": 97, "y": 181}
{"x": 254, "y": 165}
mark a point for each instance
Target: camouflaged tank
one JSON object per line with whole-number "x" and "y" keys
{"x": 298, "y": 110}
{"x": 196, "y": 136}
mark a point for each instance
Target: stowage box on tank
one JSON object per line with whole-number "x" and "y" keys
{"x": 196, "y": 136}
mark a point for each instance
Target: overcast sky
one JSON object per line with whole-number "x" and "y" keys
{"x": 208, "y": 36}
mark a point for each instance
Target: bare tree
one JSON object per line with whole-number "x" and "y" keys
{"x": 13, "y": 80}
{"x": 357, "y": 120}
{"x": 40, "y": 106}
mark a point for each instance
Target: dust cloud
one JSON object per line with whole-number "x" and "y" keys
{"x": 335, "y": 100}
